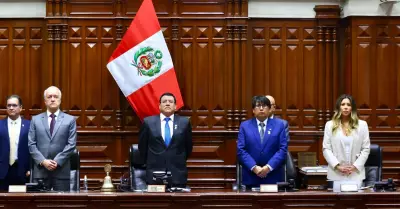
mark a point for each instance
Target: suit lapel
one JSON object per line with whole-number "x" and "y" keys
{"x": 6, "y": 130}
{"x": 175, "y": 128}
{"x": 268, "y": 131}
{"x": 59, "y": 120}
{"x": 158, "y": 133}
{"x": 22, "y": 130}
{"x": 45, "y": 122}
{"x": 254, "y": 128}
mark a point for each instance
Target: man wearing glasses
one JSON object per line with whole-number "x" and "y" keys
{"x": 271, "y": 115}
{"x": 261, "y": 146}
{"x": 14, "y": 153}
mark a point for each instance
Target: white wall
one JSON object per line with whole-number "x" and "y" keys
{"x": 22, "y": 8}
{"x": 257, "y": 8}
{"x": 286, "y": 8}
{"x": 305, "y": 8}
{"x": 370, "y": 8}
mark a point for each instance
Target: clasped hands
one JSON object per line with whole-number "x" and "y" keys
{"x": 50, "y": 165}
{"x": 346, "y": 169}
{"x": 261, "y": 171}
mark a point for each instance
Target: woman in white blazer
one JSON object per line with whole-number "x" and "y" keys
{"x": 346, "y": 142}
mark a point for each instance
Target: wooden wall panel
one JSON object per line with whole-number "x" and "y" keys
{"x": 283, "y": 65}
{"x": 22, "y": 58}
{"x": 374, "y": 70}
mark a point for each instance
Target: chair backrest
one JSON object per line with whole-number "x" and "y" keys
{"x": 137, "y": 169}
{"x": 74, "y": 172}
{"x": 373, "y": 166}
{"x": 290, "y": 168}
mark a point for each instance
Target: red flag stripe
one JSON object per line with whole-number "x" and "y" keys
{"x": 146, "y": 99}
{"x": 144, "y": 25}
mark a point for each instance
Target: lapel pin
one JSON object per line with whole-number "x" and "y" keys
{"x": 176, "y": 126}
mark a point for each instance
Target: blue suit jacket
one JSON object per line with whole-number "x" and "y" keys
{"x": 251, "y": 152}
{"x": 23, "y": 152}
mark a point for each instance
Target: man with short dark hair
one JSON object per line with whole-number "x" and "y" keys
{"x": 14, "y": 153}
{"x": 165, "y": 142}
{"x": 261, "y": 146}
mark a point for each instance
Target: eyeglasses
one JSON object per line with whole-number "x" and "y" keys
{"x": 260, "y": 106}
{"x": 12, "y": 105}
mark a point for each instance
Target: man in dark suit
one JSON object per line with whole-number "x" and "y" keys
{"x": 165, "y": 142}
{"x": 271, "y": 115}
{"x": 261, "y": 146}
{"x": 52, "y": 139}
{"x": 14, "y": 153}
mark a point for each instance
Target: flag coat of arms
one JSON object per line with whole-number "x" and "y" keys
{"x": 142, "y": 65}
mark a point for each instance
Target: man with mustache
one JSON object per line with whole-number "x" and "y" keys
{"x": 165, "y": 142}
{"x": 14, "y": 153}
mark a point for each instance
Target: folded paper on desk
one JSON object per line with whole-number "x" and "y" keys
{"x": 315, "y": 169}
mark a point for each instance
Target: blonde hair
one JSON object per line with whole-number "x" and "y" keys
{"x": 336, "y": 119}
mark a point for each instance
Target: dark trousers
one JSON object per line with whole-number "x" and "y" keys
{"x": 12, "y": 178}
{"x": 61, "y": 185}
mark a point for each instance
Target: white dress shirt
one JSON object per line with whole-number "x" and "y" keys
{"x": 170, "y": 124}
{"x": 49, "y": 118}
{"x": 347, "y": 141}
{"x": 259, "y": 129}
{"x": 265, "y": 125}
{"x": 14, "y": 129}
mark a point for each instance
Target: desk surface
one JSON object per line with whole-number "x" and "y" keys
{"x": 202, "y": 199}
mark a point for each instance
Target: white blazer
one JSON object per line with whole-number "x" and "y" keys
{"x": 334, "y": 151}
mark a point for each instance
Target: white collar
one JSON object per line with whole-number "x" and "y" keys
{"x": 162, "y": 117}
{"x": 265, "y": 122}
{"x": 56, "y": 113}
{"x": 17, "y": 121}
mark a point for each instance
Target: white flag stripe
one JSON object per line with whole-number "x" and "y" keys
{"x": 126, "y": 75}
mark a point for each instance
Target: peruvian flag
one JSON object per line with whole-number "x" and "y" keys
{"x": 142, "y": 65}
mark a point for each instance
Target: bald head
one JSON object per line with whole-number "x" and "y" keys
{"x": 273, "y": 106}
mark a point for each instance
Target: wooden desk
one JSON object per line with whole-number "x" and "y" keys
{"x": 314, "y": 179}
{"x": 295, "y": 200}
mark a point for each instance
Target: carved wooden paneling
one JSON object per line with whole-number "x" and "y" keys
{"x": 374, "y": 70}
{"x": 22, "y": 64}
{"x": 284, "y": 65}
{"x": 93, "y": 96}
{"x": 202, "y": 72}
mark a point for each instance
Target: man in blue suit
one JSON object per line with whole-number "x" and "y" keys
{"x": 262, "y": 146}
{"x": 14, "y": 153}
{"x": 271, "y": 115}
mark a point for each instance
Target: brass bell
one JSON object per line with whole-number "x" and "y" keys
{"x": 107, "y": 184}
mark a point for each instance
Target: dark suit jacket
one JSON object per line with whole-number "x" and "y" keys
{"x": 251, "y": 152}
{"x": 286, "y": 124}
{"x": 158, "y": 156}
{"x": 23, "y": 152}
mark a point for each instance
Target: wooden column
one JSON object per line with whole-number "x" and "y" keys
{"x": 244, "y": 67}
{"x": 229, "y": 77}
{"x": 49, "y": 8}
{"x": 327, "y": 17}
